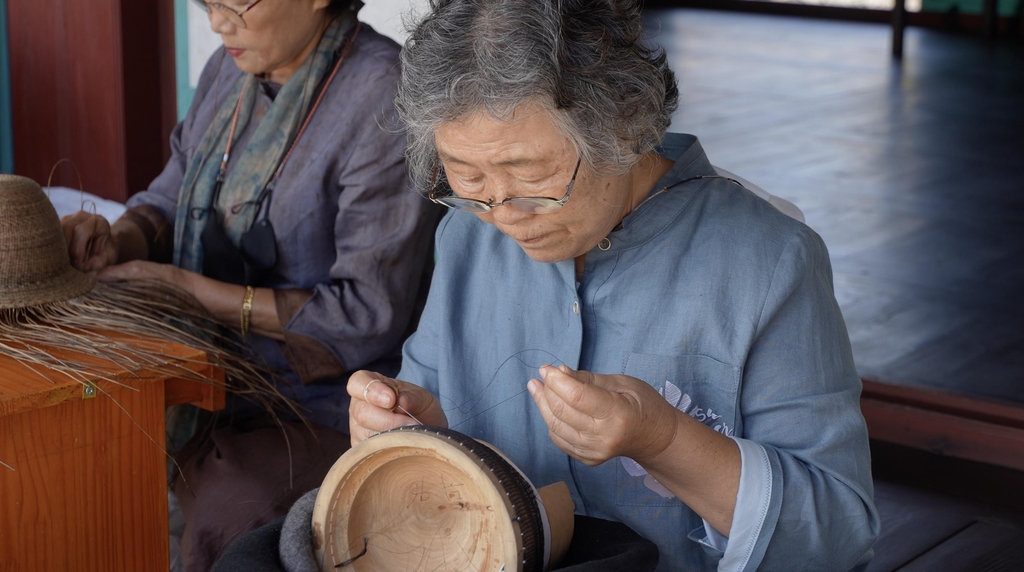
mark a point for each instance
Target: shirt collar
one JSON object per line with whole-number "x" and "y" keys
{"x": 688, "y": 155}
{"x": 652, "y": 216}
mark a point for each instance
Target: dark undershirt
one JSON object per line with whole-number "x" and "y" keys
{"x": 270, "y": 88}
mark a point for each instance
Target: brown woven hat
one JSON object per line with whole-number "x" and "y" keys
{"x": 34, "y": 264}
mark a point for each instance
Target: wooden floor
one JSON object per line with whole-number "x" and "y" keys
{"x": 924, "y": 532}
{"x": 913, "y": 174}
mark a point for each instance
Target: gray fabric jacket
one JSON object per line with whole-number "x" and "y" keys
{"x": 349, "y": 227}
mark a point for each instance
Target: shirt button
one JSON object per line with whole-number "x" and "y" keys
{"x": 605, "y": 243}
{"x": 576, "y": 308}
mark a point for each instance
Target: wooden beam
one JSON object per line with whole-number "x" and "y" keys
{"x": 945, "y": 424}
{"x": 208, "y": 396}
{"x": 994, "y": 412}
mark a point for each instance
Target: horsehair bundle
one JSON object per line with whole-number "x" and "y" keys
{"x": 121, "y": 327}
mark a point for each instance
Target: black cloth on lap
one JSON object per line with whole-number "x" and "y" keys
{"x": 603, "y": 545}
{"x": 597, "y": 546}
{"x": 254, "y": 552}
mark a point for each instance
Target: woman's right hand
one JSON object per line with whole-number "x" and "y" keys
{"x": 91, "y": 245}
{"x": 375, "y": 405}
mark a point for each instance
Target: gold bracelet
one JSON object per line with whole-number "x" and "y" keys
{"x": 250, "y": 292}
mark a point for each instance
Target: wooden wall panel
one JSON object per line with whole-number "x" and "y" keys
{"x": 86, "y": 85}
{"x": 144, "y": 55}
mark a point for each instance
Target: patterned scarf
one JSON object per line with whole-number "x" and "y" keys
{"x": 255, "y": 167}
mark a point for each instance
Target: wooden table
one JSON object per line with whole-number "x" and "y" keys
{"x": 88, "y": 489}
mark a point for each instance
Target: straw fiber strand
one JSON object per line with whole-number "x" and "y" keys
{"x": 54, "y": 318}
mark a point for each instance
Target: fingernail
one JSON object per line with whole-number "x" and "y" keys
{"x": 531, "y": 386}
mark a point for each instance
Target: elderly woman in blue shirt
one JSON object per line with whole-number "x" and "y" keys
{"x": 608, "y": 311}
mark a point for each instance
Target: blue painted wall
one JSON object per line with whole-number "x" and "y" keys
{"x": 1005, "y": 7}
{"x": 6, "y": 139}
{"x": 185, "y": 92}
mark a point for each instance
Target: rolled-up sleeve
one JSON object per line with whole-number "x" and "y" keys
{"x": 753, "y": 500}
{"x": 801, "y": 403}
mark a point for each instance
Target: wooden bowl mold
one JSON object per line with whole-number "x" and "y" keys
{"x": 427, "y": 498}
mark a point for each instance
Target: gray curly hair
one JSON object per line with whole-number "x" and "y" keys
{"x": 583, "y": 60}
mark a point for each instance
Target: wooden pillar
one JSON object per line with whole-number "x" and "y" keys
{"x": 990, "y": 20}
{"x": 899, "y": 24}
{"x": 86, "y": 85}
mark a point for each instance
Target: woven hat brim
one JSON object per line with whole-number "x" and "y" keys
{"x": 68, "y": 284}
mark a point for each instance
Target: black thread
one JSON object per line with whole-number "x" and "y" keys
{"x": 357, "y": 556}
{"x": 479, "y": 396}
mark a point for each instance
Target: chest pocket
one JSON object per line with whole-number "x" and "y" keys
{"x": 697, "y": 385}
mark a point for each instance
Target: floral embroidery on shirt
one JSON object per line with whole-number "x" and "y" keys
{"x": 683, "y": 402}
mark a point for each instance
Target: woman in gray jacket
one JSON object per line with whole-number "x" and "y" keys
{"x": 286, "y": 211}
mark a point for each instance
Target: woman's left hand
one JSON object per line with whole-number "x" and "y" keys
{"x": 138, "y": 270}
{"x": 222, "y": 300}
{"x": 595, "y": 417}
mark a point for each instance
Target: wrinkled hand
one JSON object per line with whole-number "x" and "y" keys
{"x": 374, "y": 406}
{"x": 91, "y": 246}
{"x": 595, "y": 417}
{"x": 140, "y": 270}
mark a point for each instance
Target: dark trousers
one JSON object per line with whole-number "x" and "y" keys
{"x": 239, "y": 477}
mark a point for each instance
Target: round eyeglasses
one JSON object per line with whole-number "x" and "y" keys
{"x": 233, "y": 16}
{"x": 441, "y": 193}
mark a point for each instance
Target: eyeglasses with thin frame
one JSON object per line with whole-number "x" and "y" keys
{"x": 441, "y": 193}
{"x": 233, "y": 16}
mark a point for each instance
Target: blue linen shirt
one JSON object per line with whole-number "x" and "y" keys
{"x": 719, "y": 302}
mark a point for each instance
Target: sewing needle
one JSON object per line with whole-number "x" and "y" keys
{"x": 407, "y": 413}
